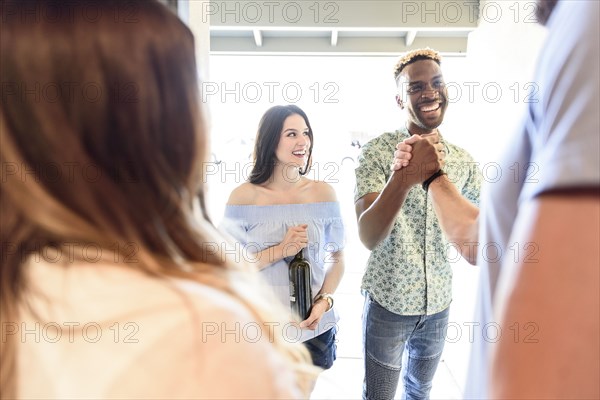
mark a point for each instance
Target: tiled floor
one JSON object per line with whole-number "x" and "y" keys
{"x": 344, "y": 379}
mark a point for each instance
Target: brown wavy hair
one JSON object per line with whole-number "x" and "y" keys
{"x": 267, "y": 140}
{"x": 103, "y": 141}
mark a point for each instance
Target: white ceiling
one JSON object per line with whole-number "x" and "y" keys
{"x": 339, "y": 27}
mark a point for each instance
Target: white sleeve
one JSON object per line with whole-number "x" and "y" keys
{"x": 564, "y": 123}
{"x": 243, "y": 364}
{"x": 235, "y": 355}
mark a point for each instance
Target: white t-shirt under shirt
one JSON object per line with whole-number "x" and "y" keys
{"x": 557, "y": 148}
{"x": 107, "y": 331}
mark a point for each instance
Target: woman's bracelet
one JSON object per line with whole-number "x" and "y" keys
{"x": 327, "y": 297}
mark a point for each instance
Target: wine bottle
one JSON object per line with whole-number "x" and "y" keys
{"x": 300, "y": 291}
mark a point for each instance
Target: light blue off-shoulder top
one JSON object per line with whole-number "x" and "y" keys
{"x": 259, "y": 227}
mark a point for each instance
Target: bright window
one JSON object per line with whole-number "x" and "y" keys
{"x": 347, "y": 99}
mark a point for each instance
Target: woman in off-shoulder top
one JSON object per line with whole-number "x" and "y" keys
{"x": 279, "y": 212}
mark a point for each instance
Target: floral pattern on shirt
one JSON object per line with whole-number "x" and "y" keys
{"x": 409, "y": 271}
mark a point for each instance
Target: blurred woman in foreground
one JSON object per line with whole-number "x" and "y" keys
{"x": 111, "y": 286}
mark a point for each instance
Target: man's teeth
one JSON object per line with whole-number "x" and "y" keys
{"x": 430, "y": 107}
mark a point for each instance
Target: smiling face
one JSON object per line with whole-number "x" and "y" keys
{"x": 423, "y": 92}
{"x": 294, "y": 142}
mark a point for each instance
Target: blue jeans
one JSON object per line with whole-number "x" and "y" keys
{"x": 322, "y": 348}
{"x": 385, "y": 335}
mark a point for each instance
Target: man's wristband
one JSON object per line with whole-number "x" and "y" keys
{"x": 432, "y": 178}
{"x": 325, "y": 296}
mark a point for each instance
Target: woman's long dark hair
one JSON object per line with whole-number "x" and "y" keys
{"x": 267, "y": 140}
{"x": 103, "y": 142}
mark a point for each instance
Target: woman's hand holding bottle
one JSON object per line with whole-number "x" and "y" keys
{"x": 295, "y": 239}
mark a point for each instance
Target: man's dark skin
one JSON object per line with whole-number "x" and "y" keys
{"x": 424, "y": 96}
{"x": 376, "y": 212}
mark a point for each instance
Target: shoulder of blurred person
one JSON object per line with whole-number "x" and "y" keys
{"x": 147, "y": 338}
{"x": 551, "y": 212}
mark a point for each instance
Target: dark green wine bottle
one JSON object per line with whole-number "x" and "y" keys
{"x": 300, "y": 291}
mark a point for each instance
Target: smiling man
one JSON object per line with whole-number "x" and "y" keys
{"x": 409, "y": 217}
